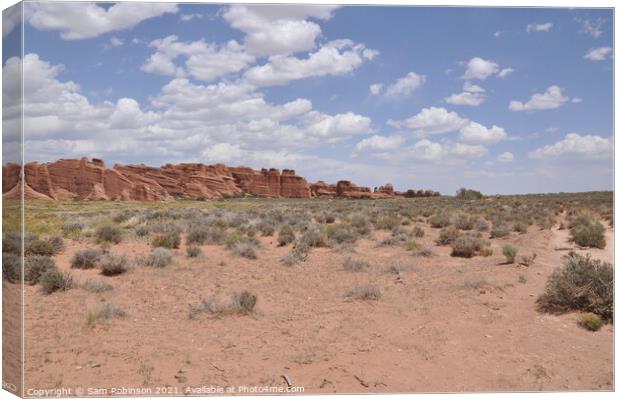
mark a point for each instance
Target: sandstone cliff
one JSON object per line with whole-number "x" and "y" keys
{"x": 91, "y": 180}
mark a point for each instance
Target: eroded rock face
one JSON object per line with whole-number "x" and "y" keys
{"x": 90, "y": 179}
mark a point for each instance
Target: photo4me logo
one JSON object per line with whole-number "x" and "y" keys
{"x": 9, "y": 386}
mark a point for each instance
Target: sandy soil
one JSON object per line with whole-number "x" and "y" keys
{"x": 430, "y": 332}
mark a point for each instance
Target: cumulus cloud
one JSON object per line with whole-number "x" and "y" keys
{"x": 543, "y": 27}
{"x": 576, "y": 145}
{"x": 552, "y": 98}
{"x": 593, "y": 28}
{"x": 11, "y": 18}
{"x": 77, "y": 21}
{"x": 472, "y": 95}
{"x": 338, "y": 57}
{"x": 505, "y": 72}
{"x": 505, "y": 157}
{"x": 278, "y": 29}
{"x": 598, "y": 54}
{"x": 426, "y": 150}
{"x": 432, "y": 120}
{"x": 481, "y": 69}
{"x": 379, "y": 146}
{"x": 203, "y": 61}
{"x": 475, "y": 133}
{"x": 402, "y": 87}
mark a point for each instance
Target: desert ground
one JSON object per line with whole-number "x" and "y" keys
{"x": 366, "y": 297}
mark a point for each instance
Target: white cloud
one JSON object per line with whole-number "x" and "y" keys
{"x": 405, "y": 85}
{"x": 203, "y": 61}
{"x": 472, "y": 95}
{"x": 505, "y": 72}
{"x": 598, "y": 54}
{"x": 427, "y": 150}
{"x": 338, "y": 57}
{"x": 222, "y": 153}
{"x": 432, "y": 120}
{"x": 505, "y": 157}
{"x": 87, "y": 20}
{"x": 552, "y": 98}
{"x": 11, "y": 18}
{"x": 278, "y": 29}
{"x": 375, "y": 88}
{"x": 115, "y": 41}
{"x": 543, "y": 27}
{"x": 479, "y": 68}
{"x": 189, "y": 17}
{"x": 379, "y": 144}
{"x": 586, "y": 146}
{"x": 576, "y": 100}
{"x": 592, "y": 28}
{"x": 475, "y": 133}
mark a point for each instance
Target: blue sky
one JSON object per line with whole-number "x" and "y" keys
{"x": 505, "y": 100}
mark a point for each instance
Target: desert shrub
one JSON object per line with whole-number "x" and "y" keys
{"x": 418, "y": 232}
{"x": 85, "y": 258}
{"x": 245, "y": 249}
{"x": 73, "y": 228}
{"x": 475, "y": 282}
{"x": 355, "y": 265}
{"x": 266, "y": 227}
{"x": 38, "y": 247}
{"x": 581, "y": 283}
{"x": 313, "y": 237}
{"x": 112, "y": 264}
{"x": 243, "y": 302}
{"x": 486, "y": 251}
{"x": 290, "y": 259}
{"x": 423, "y": 252}
{"x": 510, "y": 252}
{"x": 103, "y": 311}
{"x": 193, "y": 251}
{"x": 590, "y": 233}
{"x": 142, "y": 230}
{"x": 481, "y": 225}
{"x": 520, "y": 227}
{"x": 286, "y": 235}
{"x": 528, "y": 261}
{"x": 325, "y": 217}
{"x": 463, "y": 221}
{"x": 361, "y": 223}
{"x": 412, "y": 245}
{"x": 57, "y": 244}
{"x": 466, "y": 246}
{"x": 109, "y": 233}
{"x": 397, "y": 268}
{"x": 500, "y": 230}
{"x": 387, "y": 222}
{"x": 168, "y": 240}
{"x": 590, "y": 321}
{"x": 341, "y": 233}
{"x": 447, "y": 235}
{"x": 468, "y": 194}
{"x": 364, "y": 292}
{"x": 35, "y": 266}
{"x": 160, "y": 257}
{"x": 197, "y": 234}
{"x": 439, "y": 220}
{"x": 54, "y": 280}
{"x": 12, "y": 243}
{"x": 11, "y": 267}
{"x": 96, "y": 286}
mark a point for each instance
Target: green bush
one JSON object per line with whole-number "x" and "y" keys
{"x": 35, "y": 266}
{"x": 439, "y": 220}
{"x": 500, "y": 230}
{"x": 109, "y": 233}
{"x": 38, "y": 247}
{"x": 468, "y": 194}
{"x": 313, "y": 237}
{"x": 364, "y": 292}
{"x": 103, "y": 311}
{"x": 463, "y": 221}
{"x": 197, "y": 234}
{"x": 160, "y": 257}
{"x": 589, "y": 234}
{"x": 96, "y": 286}
{"x": 57, "y": 244}
{"x": 244, "y": 302}
{"x": 11, "y": 267}
{"x": 54, "y": 280}
{"x": 245, "y": 249}
{"x": 510, "y": 252}
{"x": 193, "y": 251}
{"x": 591, "y": 321}
{"x": 355, "y": 265}
{"x": 418, "y": 232}
{"x": 341, "y": 233}
{"x": 73, "y": 228}
{"x": 85, "y": 258}
{"x": 582, "y": 284}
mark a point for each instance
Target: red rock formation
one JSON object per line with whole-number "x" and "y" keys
{"x": 90, "y": 179}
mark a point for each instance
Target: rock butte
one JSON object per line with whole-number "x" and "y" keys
{"x": 91, "y": 180}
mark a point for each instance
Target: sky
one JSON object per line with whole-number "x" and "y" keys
{"x": 502, "y": 100}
